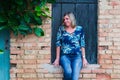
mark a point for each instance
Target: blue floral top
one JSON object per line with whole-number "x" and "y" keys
{"x": 70, "y": 43}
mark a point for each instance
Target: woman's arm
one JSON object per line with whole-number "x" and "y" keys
{"x": 56, "y": 62}
{"x": 83, "y": 52}
{"x": 58, "y": 45}
{"x": 58, "y": 53}
{"x": 84, "y": 58}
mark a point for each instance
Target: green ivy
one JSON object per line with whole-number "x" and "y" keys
{"x": 1, "y": 51}
{"x": 19, "y": 15}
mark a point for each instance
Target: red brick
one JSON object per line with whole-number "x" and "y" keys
{"x": 31, "y": 79}
{"x": 103, "y": 34}
{"x": 98, "y": 71}
{"x": 19, "y": 79}
{"x": 86, "y": 71}
{"x": 48, "y": 57}
{"x": 112, "y": 47}
{"x": 107, "y": 66}
{"x": 101, "y": 61}
{"x": 109, "y": 61}
{"x": 20, "y": 61}
{"x": 116, "y": 66}
{"x": 101, "y": 38}
{"x": 29, "y": 70}
{"x": 114, "y": 3}
{"x": 13, "y": 61}
{"x": 17, "y": 52}
{"x": 32, "y": 61}
{"x": 114, "y": 12}
{"x": 43, "y": 61}
{"x": 13, "y": 70}
{"x": 103, "y": 21}
{"x": 116, "y": 62}
{"x": 116, "y": 57}
{"x": 30, "y": 44}
{"x": 105, "y": 56}
{"x": 115, "y": 76}
{"x": 20, "y": 71}
{"x": 29, "y": 66}
{"x": 103, "y": 47}
{"x": 89, "y": 76}
{"x": 49, "y": 76}
{"x": 103, "y": 77}
{"x": 104, "y": 43}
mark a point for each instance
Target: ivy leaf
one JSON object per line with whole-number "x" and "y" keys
{"x": 2, "y": 19}
{"x": 15, "y": 30}
{"x": 18, "y": 15}
{"x": 38, "y": 20}
{"x": 2, "y": 27}
{"x": 50, "y": 1}
{"x": 38, "y": 32}
{"x": 19, "y": 2}
{"x": 23, "y": 27}
{"x": 1, "y": 51}
{"x": 27, "y": 18}
{"x": 43, "y": 3}
{"x": 38, "y": 8}
{"x": 44, "y": 14}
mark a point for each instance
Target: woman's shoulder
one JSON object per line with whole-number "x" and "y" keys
{"x": 79, "y": 27}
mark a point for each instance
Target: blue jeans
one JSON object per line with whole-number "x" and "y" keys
{"x": 71, "y": 65}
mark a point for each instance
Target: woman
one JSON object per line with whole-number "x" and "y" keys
{"x": 70, "y": 48}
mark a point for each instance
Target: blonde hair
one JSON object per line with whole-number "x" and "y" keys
{"x": 72, "y": 18}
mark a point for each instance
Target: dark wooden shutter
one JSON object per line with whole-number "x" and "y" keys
{"x": 86, "y": 16}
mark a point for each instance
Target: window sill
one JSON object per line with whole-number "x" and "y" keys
{"x": 91, "y": 68}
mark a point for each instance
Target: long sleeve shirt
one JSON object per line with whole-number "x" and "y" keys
{"x": 70, "y": 43}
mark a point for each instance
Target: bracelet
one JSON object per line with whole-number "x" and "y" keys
{"x": 83, "y": 56}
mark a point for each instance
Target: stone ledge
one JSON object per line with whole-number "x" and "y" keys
{"x": 91, "y": 68}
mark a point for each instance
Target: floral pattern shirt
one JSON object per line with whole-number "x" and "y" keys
{"x": 70, "y": 43}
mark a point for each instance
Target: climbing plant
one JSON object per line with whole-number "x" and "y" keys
{"x": 18, "y": 16}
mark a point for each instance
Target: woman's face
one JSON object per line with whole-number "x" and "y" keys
{"x": 67, "y": 21}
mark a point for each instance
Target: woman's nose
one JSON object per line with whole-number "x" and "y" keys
{"x": 65, "y": 20}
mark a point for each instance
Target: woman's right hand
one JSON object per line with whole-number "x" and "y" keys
{"x": 56, "y": 62}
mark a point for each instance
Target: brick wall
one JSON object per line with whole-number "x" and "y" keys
{"x": 30, "y": 55}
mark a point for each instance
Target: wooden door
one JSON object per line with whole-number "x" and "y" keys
{"x": 4, "y": 57}
{"x": 86, "y": 16}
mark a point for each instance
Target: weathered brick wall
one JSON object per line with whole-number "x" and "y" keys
{"x": 31, "y": 55}
{"x": 109, "y": 38}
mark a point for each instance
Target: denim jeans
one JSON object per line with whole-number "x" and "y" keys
{"x": 71, "y": 65}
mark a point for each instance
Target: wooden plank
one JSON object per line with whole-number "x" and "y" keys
{"x": 82, "y": 16}
{"x": 82, "y": 12}
{"x": 76, "y": 1}
{"x": 86, "y": 1}
{"x": 93, "y": 33}
{"x": 56, "y": 22}
{"x": 66, "y": 1}
{"x": 68, "y": 8}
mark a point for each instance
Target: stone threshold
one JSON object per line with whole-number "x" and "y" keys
{"x": 90, "y": 68}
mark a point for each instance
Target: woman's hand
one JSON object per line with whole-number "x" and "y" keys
{"x": 56, "y": 62}
{"x": 85, "y": 63}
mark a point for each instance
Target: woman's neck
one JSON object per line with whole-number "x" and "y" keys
{"x": 69, "y": 27}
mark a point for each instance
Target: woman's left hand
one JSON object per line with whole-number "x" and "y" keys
{"x": 85, "y": 63}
